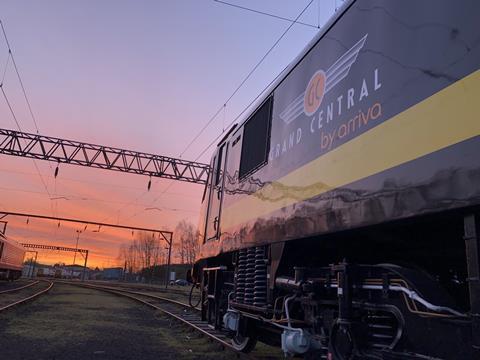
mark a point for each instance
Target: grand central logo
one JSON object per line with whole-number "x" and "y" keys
{"x": 331, "y": 123}
{"x": 321, "y": 83}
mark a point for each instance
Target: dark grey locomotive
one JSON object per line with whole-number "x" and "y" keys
{"x": 341, "y": 218}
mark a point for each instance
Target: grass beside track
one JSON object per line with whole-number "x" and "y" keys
{"x": 17, "y": 295}
{"x": 77, "y": 323}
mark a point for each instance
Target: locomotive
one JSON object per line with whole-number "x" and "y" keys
{"x": 341, "y": 217}
{"x": 11, "y": 258}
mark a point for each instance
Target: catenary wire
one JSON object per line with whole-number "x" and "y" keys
{"x": 10, "y": 54}
{"x": 90, "y": 182}
{"x": 19, "y": 78}
{"x": 245, "y": 79}
{"x": 264, "y": 13}
{"x": 6, "y": 68}
{"x": 228, "y": 99}
{"x": 71, "y": 197}
{"x": 27, "y": 100}
{"x": 20, "y": 129}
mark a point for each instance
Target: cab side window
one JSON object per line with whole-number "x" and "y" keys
{"x": 256, "y": 139}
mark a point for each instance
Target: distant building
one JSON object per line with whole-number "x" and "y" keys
{"x": 95, "y": 274}
{"x": 71, "y": 271}
{"x": 30, "y": 270}
{"x": 115, "y": 273}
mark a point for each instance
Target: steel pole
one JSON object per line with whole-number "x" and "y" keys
{"x": 167, "y": 276}
{"x": 34, "y": 263}
{"x": 75, "y": 253}
{"x": 85, "y": 266}
{"x": 30, "y": 272}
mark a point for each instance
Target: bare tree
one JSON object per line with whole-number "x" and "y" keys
{"x": 186, "y": 242}
{"x": 144, "y": 252}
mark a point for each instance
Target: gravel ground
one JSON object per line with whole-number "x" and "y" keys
{"x": 77, "y": 323}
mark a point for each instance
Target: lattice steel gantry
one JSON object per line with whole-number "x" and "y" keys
{"x": 48, "y": 148}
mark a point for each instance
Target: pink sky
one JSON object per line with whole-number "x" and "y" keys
{"x": 141, "y": 75}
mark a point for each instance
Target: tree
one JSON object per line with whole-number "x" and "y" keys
{"x": 186, "y": 243}
{"x": 144, "y": 253}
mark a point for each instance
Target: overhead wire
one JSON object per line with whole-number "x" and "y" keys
{"x": 239, "y": 115}
{"x": 6, "y": 67}
{"x": 245, "y": 79}
{"x": 264, "y": 13}
{"x": 12, "y": 112}
{"x": 89, "y": 182}
{"x": 214, "y": 116}
{"x": 223, "y": 107}
{"x": 19, "y": 78}
{"x": 11, "y": 56}
{"x": 71, "y": 197}
{"x": 260, "y": 94}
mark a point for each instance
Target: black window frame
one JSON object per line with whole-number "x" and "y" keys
{"x": 268, "y": 102}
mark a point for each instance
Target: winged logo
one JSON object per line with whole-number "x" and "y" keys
{"x": 321, "y": 83}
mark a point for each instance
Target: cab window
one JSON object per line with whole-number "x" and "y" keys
{"x": 256, "y": 139}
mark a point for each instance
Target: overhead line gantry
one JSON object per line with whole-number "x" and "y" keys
{"x": 167, "y": 236}
{"x": 48, "y": 148}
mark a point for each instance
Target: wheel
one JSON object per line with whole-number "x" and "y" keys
{"x": 244, "y": 344}
{"x": 343, "y": 343}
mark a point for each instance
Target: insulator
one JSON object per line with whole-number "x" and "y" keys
{"x": 250, "y": 278}
{"x": 260, "y": 283}
{"x": 241, "y": 276}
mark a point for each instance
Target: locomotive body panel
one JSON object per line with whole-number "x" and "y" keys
{"x": 362, "y": 131}
{"x": 11, "y": 255}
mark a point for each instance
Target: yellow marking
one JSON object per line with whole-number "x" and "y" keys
{"x": 445, "y": 118}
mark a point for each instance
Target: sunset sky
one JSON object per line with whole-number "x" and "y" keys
{"x": 141, "y": 75}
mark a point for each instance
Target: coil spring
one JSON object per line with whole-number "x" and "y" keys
{"x": 241, "y": 276}
{"x": 260, "y": 288}
{"x": 250, "y": 277}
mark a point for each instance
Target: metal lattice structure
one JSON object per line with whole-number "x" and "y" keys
{"x": 41, "y": 147}
{"x": 51, "y": 247}
{"x": 165, "y": 235}
{"x": 83, "y": 252}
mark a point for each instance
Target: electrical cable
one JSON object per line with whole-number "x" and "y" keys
{"x": 264, "y": 13}
{"x": 70, "y": 197}
{"x": 19, "y": 77}
{"x": 90, "y": 182}
{"x": 6, "y": 67}
{"x": 11, "y": 56}
{"x": 245, "y": 79}
{"x": 240, "y": 114}
{"x": 223, "y": 107}
{"x": 20, "y": 129}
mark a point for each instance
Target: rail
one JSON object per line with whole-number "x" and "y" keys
{"x": 27, "y": 298}
{"x": 19, "y": 288}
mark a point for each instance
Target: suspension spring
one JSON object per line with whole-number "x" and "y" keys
{"x": 241, "y": 276}
{"x": 260, "y": 288}
{"x": 250, "y": 278}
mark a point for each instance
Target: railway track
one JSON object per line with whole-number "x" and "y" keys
{"x": 19, "y": 287}
{"x": 176, "y": 309}
{"x": 143, "y": 287}
{"x": 22, "y": 294}
{"x": 179, "y": 294}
